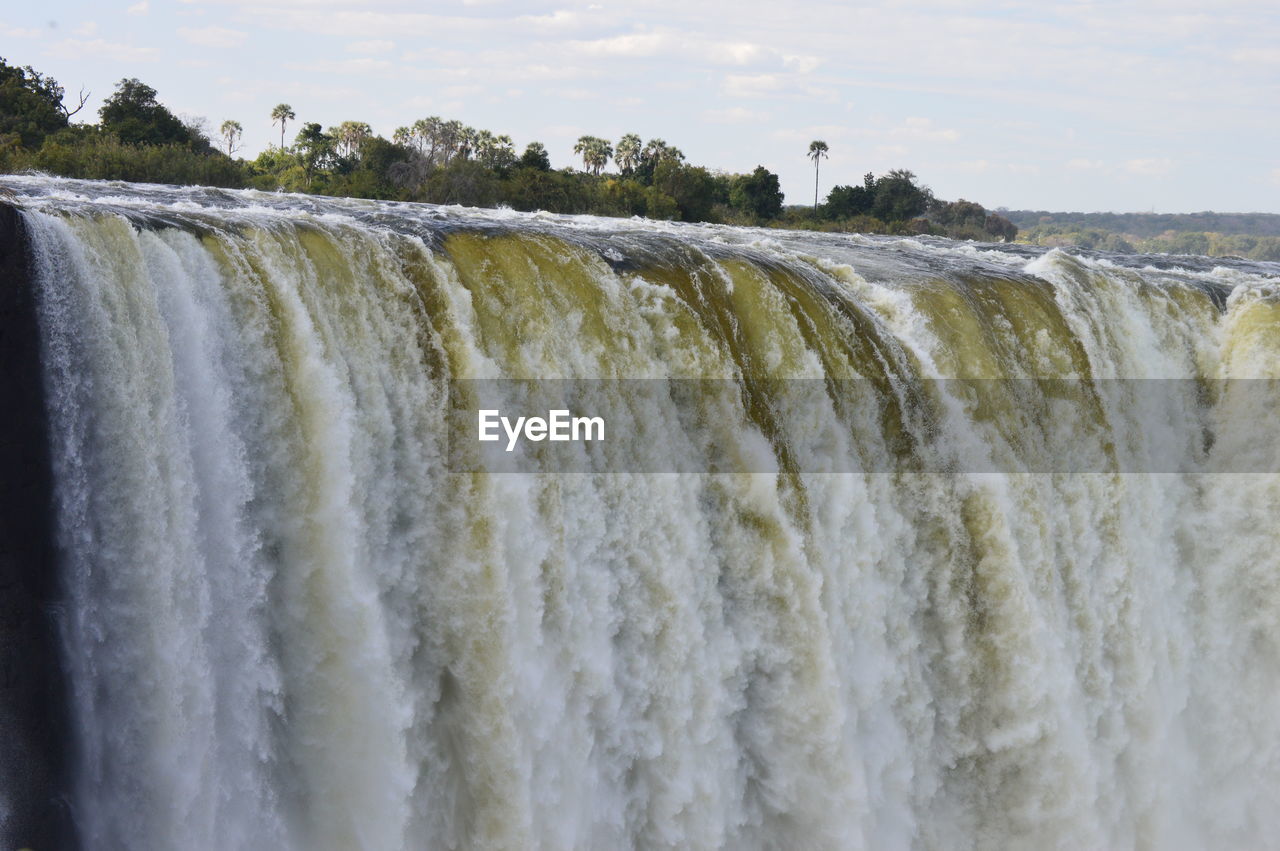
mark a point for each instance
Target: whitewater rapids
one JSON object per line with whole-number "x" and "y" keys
{"x": 292, "y": 622}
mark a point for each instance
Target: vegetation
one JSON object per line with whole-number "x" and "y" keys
{"x": 30, "y": 107}
{"x": 282, "y": 114}
{"x": 135, "y": 117}
{"x": 446, "y": 162}
{"x": 817, "y": 150}
{"x": 1252, "y": 235}
{"x": 595, "y": 153}
{"x": 231, "y": 131}
{"x": 1208, "y": 243}
{"x": 1148, "y": 225}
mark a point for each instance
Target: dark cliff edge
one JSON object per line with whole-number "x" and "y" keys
{"x": 34, "y": 723}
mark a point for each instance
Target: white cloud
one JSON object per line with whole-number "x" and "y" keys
{"x": 561, "y": 20}
{"x": 800, "y": 64}
{"x": 20, "y": 32}
{"x": 344, "y": 67}
{"x": 1154, "y": 167}
{"x": 552, "y": 72}
{"x": 922, "y": 129}
{"x": 366, "y": 23}
{"x": 636, "y": 45}
{"x": 732, "y": 52}
{"x": 139, "y": 8}
{"x": 1084, "y": 164}
{"x": 827, "y": 132}
{"x": 74, "y": 48}
{"x": 891, "y": 150}
{"x": 710, "y": 51}
{"x": 1275, "y": 176}
{"x": 752, "y": 85}
{"x": 1257, "y": 55}
{"x": 461, "y": 91}
{"x": 568, "y": 131}
{"x": 88, "y": 28}
{"x": 735, "y": 115}
{"x": 212, "y": 36}
{"x": 791, "y": 86}
{"x": 575, "y": 94}
{"x": 374, "y": 46}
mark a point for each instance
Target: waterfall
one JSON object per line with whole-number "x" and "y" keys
{"x": 890, "y": 543}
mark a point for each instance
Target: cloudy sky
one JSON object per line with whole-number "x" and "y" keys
{"x": 1169, "y": 105}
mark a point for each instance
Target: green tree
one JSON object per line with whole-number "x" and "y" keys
{"x": 1111, "y": 242}
{"x": 531, "y": 188}
{"x": 316, "y": 149}
{"x": 30, "y": 105}
{"x": 627, "y": 154}
{"x": 468, "y": 142}
{"x": 377, "y": 159}
{"x": 692, "y": 188}
{"x": 655, "y": 152}
{"x": 817, "y": 150}
{"x": 960, "y": 213}
{"x": 135, "y": 117}
{"x": 844, "y": 202}
{"x": 349, "y": 136}
{"x": 595, "y": 153}
{"x": 282, "y": 114}
{"x": 495, "y": 152}
{"x": 231, "y": 132}
{"x": 898, "y": 198}
{"x": 463, "y": 181}
{"x": 452, "y": 141}
{"x": 758, "y": 194}
{"x": 424, "y": 137}
{"x": 535, "y": 157}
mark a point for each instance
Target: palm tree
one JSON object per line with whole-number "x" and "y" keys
{"x": 628, "y": 152}
{"x": 452, "y": 140}
{"x": 595, "y": 152}
{"x": 583, "y": 148}
{"x": 282, "y": 114}
{"x": 231, "y": 131}
{"x": 817, "y": 150}
{"x": 600, "y": 156}
{"x": 424, "y": 136}
{"x": 429, "y": 132}
{"x": 467, "y": 141}
{"x": 350, "y": 135}
{"x": 656, "y": 150}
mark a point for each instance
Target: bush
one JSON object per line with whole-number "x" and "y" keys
{"x": 104, "y": 157}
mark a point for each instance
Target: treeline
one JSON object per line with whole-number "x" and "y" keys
{"x": 1255, "y": 236}
{"x": 1170, "y": 242}
{"x": 1149, "y": 225}
{"x": 443, "y": 162}
{"x": 897, "y": 203}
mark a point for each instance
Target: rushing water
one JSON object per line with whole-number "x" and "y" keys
{"x": 293, "y": 621}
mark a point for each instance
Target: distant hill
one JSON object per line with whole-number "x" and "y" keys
{"x": 1153, "y": 224}
{"x": 1253, "y": 235}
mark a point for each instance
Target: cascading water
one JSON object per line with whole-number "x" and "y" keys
{"x": 293, "y": 619}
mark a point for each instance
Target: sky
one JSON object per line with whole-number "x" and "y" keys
{"x": 1130, "y": 105}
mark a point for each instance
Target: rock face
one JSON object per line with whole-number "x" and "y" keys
{"x": 33, "y": 716}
